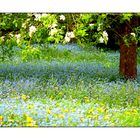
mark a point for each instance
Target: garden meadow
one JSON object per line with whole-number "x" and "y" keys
{"x": 54, "y": 73}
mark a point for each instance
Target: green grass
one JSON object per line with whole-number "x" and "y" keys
{"x": 66, "y": 88}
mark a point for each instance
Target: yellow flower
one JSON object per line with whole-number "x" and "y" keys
{"x": 87, "y": 100}
{"x": 66, "y": 110}
{"x": 127, "y": 113}
{"x": 49, "y": 111}
{"x": 11, "y": 119}
{"x": 1, "y": 118}
{"x": 85, "y": 97}
{"x": 81, "y": 119}
{"x": 100, "y": 109}
{"x": 31, "y": 124}
{"x": 29, "y": 119}
{"x": 57, "y": 104}
{"x": 30, "y": 106}
{"x": 102, "y": 104}
{"x": 1, "y": 123}
{"x": 89, "y": 116}
{"x": 24, "y": 97}
{"x": 106, "y": 117}
{"x": 134, "y": 111}
{"x": 90, "y": 110}
{"x": 16, "y": 97}
{"x": 73, "y": 110}
{"x": 61, "y": 116}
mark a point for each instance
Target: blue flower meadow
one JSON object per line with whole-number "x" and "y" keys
{"x": 68, "y": 93}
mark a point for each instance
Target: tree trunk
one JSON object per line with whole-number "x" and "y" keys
{"x": 128, "y": 60}
{"x": 128, "y": 55}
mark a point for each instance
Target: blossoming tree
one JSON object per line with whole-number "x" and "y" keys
{"x": 88, "y": 29}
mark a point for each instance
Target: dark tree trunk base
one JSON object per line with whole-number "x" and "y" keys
{"x": 128, "y": 61}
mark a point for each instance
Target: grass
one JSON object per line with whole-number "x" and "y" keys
{"x": 71, "y": 88}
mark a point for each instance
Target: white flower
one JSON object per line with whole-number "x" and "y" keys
{"x": 101, "y": 40}
{"x": 70, "y": 34}
{"x": 37, "y": 16}
{"x": 32, "y": 30}
{"x": 18, "y": 37}
{"x": 11, "y": 34}
{"x": 105, "y": 34}
{"x": 92, "y": 24}
{"x": 67, "y": 39}
{"x": 53, "y": 25}
{"x": 2, "y": 38}
{"x": 133, "y": 34}
{"x": 62, "y": 17}
{"x": 53, "y": 31}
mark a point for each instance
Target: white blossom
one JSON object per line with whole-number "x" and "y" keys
{"x": 53, "y": 25}
{"x": 37, "y": 16}
{"x": 92, "y": 24}
{"x": 2, "y": 38}
{"x": 11, "y": 34}
{"x": 133, "y": 34}
{"x": 18, "y": 37}
{"x": 101, "y": 39}
{"x": 105, "y": 34}
{"x": 32, "y": 30}
{"x": 70, "y": 34}
{"x": 67, "y": 39}
{"x": 62, "y": 17}
{"x": 53, "y": 31}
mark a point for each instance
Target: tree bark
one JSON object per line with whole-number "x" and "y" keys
{"x": 128, "y": 60}
{"x": 128, "y": 55}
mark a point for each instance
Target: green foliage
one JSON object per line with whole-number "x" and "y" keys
{"x": 30, "y": 53}
{"x": 84, "y": 29}
{"x": 125, "y": 17}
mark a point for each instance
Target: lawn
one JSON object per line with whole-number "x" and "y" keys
{"x": 68, "y": 88}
